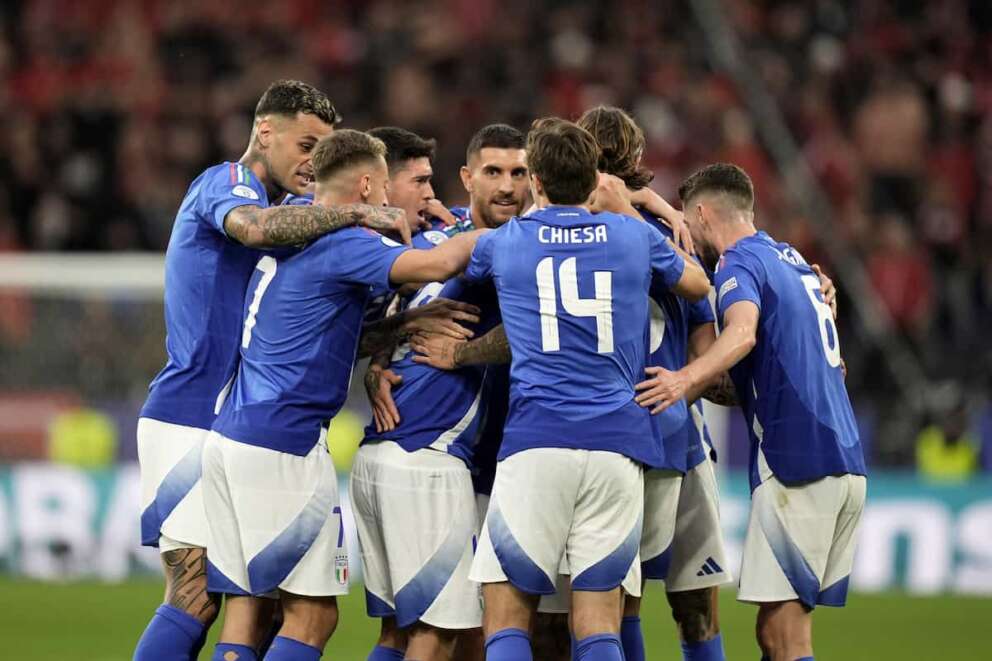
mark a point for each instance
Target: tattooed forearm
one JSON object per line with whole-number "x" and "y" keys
{"x": 379, "y": 337}
{"x": 294, "y": 224}
{"x": 722, "y": 391}
{"x": 491, "y": 349}
{"x": 186, "y": 583}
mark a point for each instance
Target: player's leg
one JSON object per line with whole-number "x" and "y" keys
{"x": 602, "y": 549}
{"x": 785, "y": 631}
{"x": 429, "y": 643}
{"x": 798, "y": 553}
{"x": 661, "y": 498}
{"x": 522, "y": 545}
{"x": 698, "y": 565}
{"x": 170, "y": 457}
{"x": 308, "y": 623}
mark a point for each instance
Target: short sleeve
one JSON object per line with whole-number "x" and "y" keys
{"x": 666, "y": 264}
{"x": 737, "y": 279}
{"x": 480, "y": 266}
{"x": 360, "y": 256}
{"x": 701, "y": 312}
{"x": 226, "y": 187}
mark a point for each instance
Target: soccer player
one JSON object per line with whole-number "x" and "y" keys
{"x": 682, "y": 543}
{"x": 269, "y": 487}
{"x": 226, "y": 216}
{"x": 807, "y": 471}
{"x": 573, "y": 296}
{"x": 405, "y": 526}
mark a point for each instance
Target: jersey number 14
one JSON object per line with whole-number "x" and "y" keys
{"x": 600, "y": 307}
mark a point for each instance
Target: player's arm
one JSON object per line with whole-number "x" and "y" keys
{"x": 438, "y": 264}
{"x": 659, "y": 206}
{"x": 441, "y": 317}
{"x": 446, "y": 353}
{"x": 379, "y": 384}
{"x": 721, "y": 391}
{"x": 694, "y": 285}
{"x": 288, "y": 225}
{"x": 740, "y": 329}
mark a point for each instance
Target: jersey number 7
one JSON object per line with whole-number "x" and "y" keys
{"x": 267, "y": 265}
{"x": 600, "y": 307}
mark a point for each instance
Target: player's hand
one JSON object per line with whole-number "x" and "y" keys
{"x": 827, "y": 289}
{"x": 437, "y": 209}
{"x": 662, "y": 389}
{"x": 441, "y": 317}
{"x": 389, "y": 221}
{"x": 438, "y": 351}
{"x": 379, "y": 384}
{"x": 610, "y": 194}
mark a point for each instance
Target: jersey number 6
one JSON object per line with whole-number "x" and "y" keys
{"x": 825, "y": 320}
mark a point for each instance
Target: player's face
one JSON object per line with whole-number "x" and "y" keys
{"x": 701, "y": 232}
{"x": 378, "y": 187}
{"x": 291, "y": 142}
{"x": 410, "y": 189}
{"x": 497, "y": 181}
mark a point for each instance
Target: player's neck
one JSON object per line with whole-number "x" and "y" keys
{"x": 731, "y": 232}
{"x": 259, "y": 167}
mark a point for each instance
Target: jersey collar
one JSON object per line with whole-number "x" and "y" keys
{"x": 561, "y": 215}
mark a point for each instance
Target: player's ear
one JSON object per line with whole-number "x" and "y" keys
{"x": 263, "y": 132}
{"x": 466, "y": 176}
{"x": 365, "y": 186}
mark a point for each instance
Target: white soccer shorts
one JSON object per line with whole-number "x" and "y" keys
{"x": 550, "y": 503}
{"x": 661, "y": 501}
{"x": 170, "y": 462}
{"x": 416, "y": 519}
{"x": 800, "y": 541}
{"x": 697, "y": 558}
{"x": 274, "y": 520}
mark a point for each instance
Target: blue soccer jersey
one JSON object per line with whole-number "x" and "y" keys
{"x": 790, "y": 386}
{"x": 205, "y": 278}
{"x": 672, "y": 319}
{"x": 302, "y": 323}
{"x": 573, "y": 296}
{"x": 441, "y": 409}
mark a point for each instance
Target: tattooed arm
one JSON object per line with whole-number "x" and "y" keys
{"x": 288, "y": 225}
{"x": 441, "y": 316}
{"x": 447, "y": 353}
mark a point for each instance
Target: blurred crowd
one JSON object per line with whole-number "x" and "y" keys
{"x": 113, "y": 106}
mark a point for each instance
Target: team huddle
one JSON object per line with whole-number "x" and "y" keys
{"x": 537, "y": 360}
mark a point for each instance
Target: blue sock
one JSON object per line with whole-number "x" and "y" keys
{"x": 707, "y": 650}
{"x": 601, "y": 647}
{"x": 509, "y": 645}
{"x": 805, "y": 658}
{"x": 171, "y": 635}
{"x": 380, "y": 653}
{"x": 632, "y": 638}
{"x": 288, "y": 649}
{"x": 243, "y": 652}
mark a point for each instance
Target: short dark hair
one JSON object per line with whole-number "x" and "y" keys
{"x": 290, "y": 97}
{"x": 498, "y": 136}
{"x": 725, "y": 178}
{"x": 563, "y": 156}
{"x": 343, "y": 149}
{"x": 403, "y": 145}
{"x": 621, "y": 141}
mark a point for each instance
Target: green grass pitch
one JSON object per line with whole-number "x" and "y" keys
{"x": 100, "y": 622}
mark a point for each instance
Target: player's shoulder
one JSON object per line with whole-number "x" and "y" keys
{"x": 655, "y": 222}
{"x": 234, "y": 179}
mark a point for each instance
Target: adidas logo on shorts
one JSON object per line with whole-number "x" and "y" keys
{"x": 709, "y": 567}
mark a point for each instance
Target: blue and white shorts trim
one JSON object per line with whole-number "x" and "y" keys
{"x": 274, "y": 520}
{"x": 800, "y": 541}
{"x": 170, "y": 461}
{"x": 417, "y": 524}
{"x": 553, "y": 503}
